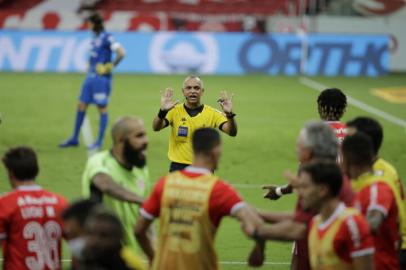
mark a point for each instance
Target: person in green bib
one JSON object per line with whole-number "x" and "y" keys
{"x": 119, "y": 178}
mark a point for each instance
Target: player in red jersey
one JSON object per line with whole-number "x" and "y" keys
{"x": 190, "y": 204}
{"x": 331, "y": 105}
{"x": 339, "y": 236}
{"x": 30, "y": 223}
{"x": 376, "y": 198}
{"x": 316, "y": 141}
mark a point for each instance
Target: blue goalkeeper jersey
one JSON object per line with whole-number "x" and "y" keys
{"x": 101, "y": 50}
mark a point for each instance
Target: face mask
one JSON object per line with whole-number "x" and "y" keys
{"x": 77, "y": 247}
{"x": 134, "y": 156}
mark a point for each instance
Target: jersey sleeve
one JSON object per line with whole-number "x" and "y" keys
{"x": 356, "y": 237}
{"x": 151, "y": 207}
{"x": 381, "y": 198}
{"x": 169, "y": 116}
{"x": 219, "y": 119}
{"x": 224, "y": 201}
{"x": 95, "y": 166}
{"x": 112, "y": 43}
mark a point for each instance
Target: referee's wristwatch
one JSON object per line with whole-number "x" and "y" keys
{"x": 230, "y": 115}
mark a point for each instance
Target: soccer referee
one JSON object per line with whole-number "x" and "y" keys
{"x": 187, "y": 117}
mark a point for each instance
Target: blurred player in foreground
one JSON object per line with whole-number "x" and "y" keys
{"x": 30, "y": 223}
{"x": 74, "y": 220}
{"x": 185, "y": 118}
{"x": 376, "y": 197}
{"x": 190, "y": 204}
{"x": 104, "y": 243}
{"x": 383, "y": 168}
{"x": 331, "y": 105}
{"x": 315, "y": 141}
{"x": 339, "y": 236}
{"x": 97, "y": 85}
{"x": 119, "y": 178}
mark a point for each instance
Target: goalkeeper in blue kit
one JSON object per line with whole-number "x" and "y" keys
{"x": 97, "y": 86}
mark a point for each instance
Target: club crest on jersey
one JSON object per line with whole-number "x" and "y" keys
{"x": 182, "y": 131}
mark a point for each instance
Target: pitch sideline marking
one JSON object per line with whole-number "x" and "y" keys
{"x": 356, "y": 103}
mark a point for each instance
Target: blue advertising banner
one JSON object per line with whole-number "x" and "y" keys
{"x": 207, "y": 53}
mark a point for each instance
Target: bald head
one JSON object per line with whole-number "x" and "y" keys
{"x": 124, "y": 126}
{"x": 195, "y": 78}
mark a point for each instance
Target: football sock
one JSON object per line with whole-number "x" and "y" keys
{"x": 104, "y": 117}
{"x": 80, "y": 115}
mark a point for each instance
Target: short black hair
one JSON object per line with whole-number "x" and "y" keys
{"x": 331, "y": 104}
{"x": 22, "y": 162}
{"x": 97, "y": 20}
{"x": 358, "y": 149}
{"x": 80, "y": 211}
{"x": 205, "y": 139}
{"x": 102, "y": 215}
{"x": 325, "y": 172}
{"x": 370, "y": 127}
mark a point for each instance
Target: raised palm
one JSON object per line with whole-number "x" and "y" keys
{"x": 166, "y": 99}
{"x": 226, "y": 101}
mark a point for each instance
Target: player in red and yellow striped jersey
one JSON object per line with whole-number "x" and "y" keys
{"x": 339, "y": 236}
{"x": 383, "y": 169}
{"x": 191, "y": 204}
{"x": 376, "y": 198}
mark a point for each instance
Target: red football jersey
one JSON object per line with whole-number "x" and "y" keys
{"x": 224, "y": 200}
{"x": 346, "y": 232}
{"x": 340, "y": 129}
{"x": 31, "y": 229}
{"x": 300, "y": 257}
{"x": 379, "y": 196}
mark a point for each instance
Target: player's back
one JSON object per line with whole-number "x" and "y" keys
{"x": 340, "y": 130}
{"x": 31, "y": 228}
{"x": 379, "y": 196}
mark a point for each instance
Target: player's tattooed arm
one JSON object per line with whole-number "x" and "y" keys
{"x": 106, "y": 184}
{"x": 166, "y": 105}
{"x": 141, "y": 234}
{"x": 375, "y": 219}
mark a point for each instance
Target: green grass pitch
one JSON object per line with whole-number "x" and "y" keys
{"x": 38, "y": 110}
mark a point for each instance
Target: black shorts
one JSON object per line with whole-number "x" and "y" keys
{"x": 403, "y": 259}
{"x": 177, "y": 166}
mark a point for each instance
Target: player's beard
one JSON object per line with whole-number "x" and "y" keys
{"x": 134, "y": 156}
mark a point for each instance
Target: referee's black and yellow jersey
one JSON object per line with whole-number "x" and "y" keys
{"x": 183, "y": 126}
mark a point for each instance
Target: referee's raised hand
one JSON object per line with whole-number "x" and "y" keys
{"x": 166, "y": 99}
{"x": 226, "y": 101}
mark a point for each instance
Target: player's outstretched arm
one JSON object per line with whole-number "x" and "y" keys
{"x": 167, "y": 104}
{"x": 275, "y": 217}
{"x": 250, "y": 223}
{"x": 275, "y": 192}
{"x": 106, "y": 184}
{"x": 141, "y": 234}
{"x": 226, "y": 103}
{"x": 288, "y": 230}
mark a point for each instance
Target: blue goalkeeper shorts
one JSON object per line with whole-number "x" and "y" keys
{"x": 96, "y": 90}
